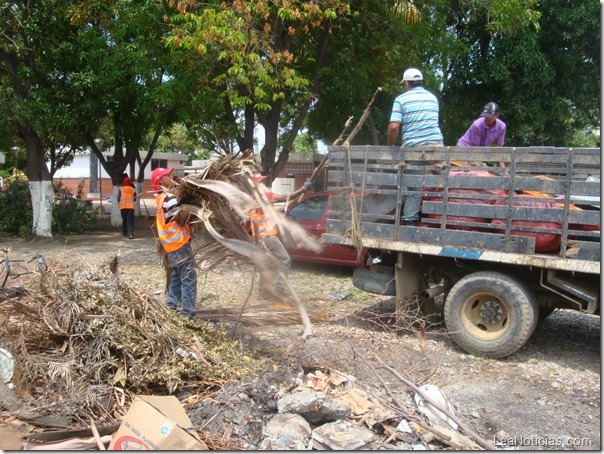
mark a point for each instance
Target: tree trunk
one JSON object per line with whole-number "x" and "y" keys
{"x": 41, "y": 201}
{"x": 116, "y": 215}
{"x": 138, "y": 187}
{"x": 269, "y": 150}
{"x": 115, "y": 170}
{"x": 40, "y": 183}
{"x": 271, "y": 121}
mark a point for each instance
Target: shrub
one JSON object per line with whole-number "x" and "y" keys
{"x": 16, "y": 215}
{"x": 70, "y": 215}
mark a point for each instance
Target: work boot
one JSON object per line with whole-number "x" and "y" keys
{"x": 187, "y": 316}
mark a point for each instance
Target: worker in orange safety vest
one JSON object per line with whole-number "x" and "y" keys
{"x": 126, "y": 198}
{"x": 176, "y": 241}
{"x": 266, "y": 234}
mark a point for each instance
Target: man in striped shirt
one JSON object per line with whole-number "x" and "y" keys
{"x": 416, "y": 111}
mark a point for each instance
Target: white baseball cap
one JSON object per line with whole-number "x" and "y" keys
{"x": 412, "y": 74}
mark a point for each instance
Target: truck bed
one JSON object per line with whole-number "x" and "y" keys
{"x": 471, "y": 210}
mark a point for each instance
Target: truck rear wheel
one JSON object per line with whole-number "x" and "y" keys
{"x": 491, "y": 313}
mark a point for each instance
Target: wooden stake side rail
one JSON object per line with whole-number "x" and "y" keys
{"x": 542, "y": 193}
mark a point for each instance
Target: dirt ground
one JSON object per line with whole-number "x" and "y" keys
{"x": 545, "y": 397}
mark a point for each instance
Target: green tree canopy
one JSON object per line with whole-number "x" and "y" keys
{"x": 263, "y": 60}
{"x": 544, "y": 77}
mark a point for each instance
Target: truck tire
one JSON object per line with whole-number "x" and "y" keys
{"x": 491, "y": 314}
{"x": 373, "y": 282}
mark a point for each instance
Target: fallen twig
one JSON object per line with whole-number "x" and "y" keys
{"x": 481, "y": 441}
{"x": 96, "y": 435}
{"x": 408, "y": 416}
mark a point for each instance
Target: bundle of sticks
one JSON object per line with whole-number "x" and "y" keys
{"x": 218, "y": 202}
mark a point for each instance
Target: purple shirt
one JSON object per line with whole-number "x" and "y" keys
{"x": 480, "y": 135}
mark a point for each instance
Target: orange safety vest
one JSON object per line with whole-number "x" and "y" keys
{"x": 172, "y": 235}
{"x": 126, "y": 198}
{"x": 261, "y": 228}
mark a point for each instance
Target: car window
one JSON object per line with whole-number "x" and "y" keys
{"x": 310, "y": 209}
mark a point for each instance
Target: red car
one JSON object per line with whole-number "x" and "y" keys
{"x": 311, "y": 214}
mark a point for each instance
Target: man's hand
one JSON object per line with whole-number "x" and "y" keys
{"x": 308, "y": 185}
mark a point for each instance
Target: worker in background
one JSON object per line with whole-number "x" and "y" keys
{"x": 416, "y": 113}
{"x": 486, "y": 130}
{"x": 266, "y": 234}
{"x": 126, "y": 198}
{"x": 175, "y": 237}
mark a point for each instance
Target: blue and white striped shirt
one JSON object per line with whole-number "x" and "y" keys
{"x": 417, "y": 110}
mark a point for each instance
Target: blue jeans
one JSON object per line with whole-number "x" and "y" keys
{"x": 413, "y": 198}
{"x": 274, "y": 245}
{"x": 183, "y": 280}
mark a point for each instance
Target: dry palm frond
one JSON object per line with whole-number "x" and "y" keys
{"x": 239, "y": 200}
{"x": 221, "y": 198}
{"x": 290, "y": 232}
{"x": 256, "y": 315}
{"x": 223, "y": 195}
{"x": 266, "y": 263}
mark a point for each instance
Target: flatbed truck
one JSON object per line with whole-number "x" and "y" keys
{"x": 503, "y": 246}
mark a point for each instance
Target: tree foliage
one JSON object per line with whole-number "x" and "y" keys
{"x": 371, "y": 49}
{"x": 542, "y": 76}
{"x": 263, "y": 60}
{"x": 128, "y": 71}
{"x": 69, "y": 216}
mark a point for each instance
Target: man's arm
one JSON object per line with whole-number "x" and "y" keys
{"x": 472, "y": 137}
{"x": 500, "y": 141}
{"x": 393, "y": 129}
{"x": 501, "y": 163}
{"x": 169, "y": 207}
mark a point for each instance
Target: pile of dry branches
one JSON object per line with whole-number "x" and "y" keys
{"x": 86, "y": 337}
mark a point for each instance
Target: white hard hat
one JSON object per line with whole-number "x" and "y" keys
{"x": 411, "y": 75}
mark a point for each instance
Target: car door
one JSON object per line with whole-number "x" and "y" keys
{"x": 311, "y": 215}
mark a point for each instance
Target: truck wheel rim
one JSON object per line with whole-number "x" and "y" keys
{"x": 485, "y": 317}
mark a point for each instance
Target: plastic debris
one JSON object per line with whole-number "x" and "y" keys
{"x": 435, "y": 416}
{"x": 7, "y": 365}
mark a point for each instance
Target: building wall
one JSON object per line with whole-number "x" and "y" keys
{"x": 299, "y": 168}
{"x": 105, "y": 186}
{"x": 78, "y": 173}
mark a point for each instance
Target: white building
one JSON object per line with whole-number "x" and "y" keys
{"x": 78, "y": 173}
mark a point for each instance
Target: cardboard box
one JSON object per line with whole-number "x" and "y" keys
{"x": 156, "y": 423}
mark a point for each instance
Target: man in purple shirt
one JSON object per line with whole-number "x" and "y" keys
{"x": 485, "y": 130}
